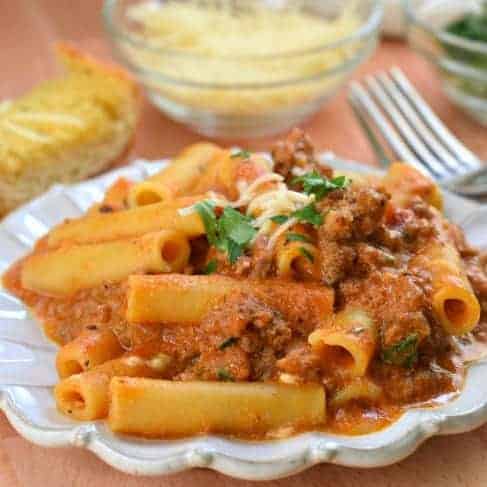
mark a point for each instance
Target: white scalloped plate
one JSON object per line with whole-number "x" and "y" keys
{"x": 31, "y": 409}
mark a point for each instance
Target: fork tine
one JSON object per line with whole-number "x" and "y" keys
{"x": 422, "y": 130}
{"x": 405, "y": 130}
{"x": 379, "y": 151}
{"x": 454, "y": 145}
{"x": 361, "y": 97}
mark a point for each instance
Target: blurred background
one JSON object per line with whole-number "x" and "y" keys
{"x": 29, "y": 28}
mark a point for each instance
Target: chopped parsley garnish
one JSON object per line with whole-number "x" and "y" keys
{"x": 472, "y": 26}
{"x": 403, "y": 353}
{"x": 309, "y": 214}
{"x": 297, "y": 237}
{"x": 244, "y": 154}
{"x": 210, "y": 267}
{"x": 316, "y": 184}
{"x": 235, "y": 232}
{"x": 232, "y": 232}
{"x": 224, "y": 375}
{"x": 206, "y": 210}
{"x": 229, "y": 342}
{"x": 306, "y": 253}
{"x": 280, "y": 219}
{"x": 235, "y": 226}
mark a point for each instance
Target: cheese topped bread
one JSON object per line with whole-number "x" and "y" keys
{"x": 66, "y": 129}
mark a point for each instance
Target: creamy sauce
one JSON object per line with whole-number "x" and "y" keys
{"x": 365, "y": 254}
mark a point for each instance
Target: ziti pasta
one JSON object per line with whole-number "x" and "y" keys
{"x": 242, "y": 295}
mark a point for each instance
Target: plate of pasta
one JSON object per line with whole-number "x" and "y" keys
{"x": 251, "y": 313}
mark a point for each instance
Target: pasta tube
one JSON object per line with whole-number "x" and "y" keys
{"x": 86, "y": 396}
{"x": 349, "y": 344}
{"x": 403, "y": 182}
{"x": 68, "y": 269}
{"x": 88, "y": 350}
{"x": 454, "y": 303}
{"x": 197, "y": 407}
{"x": 226, "y": 171}
{"x": 296, "y": 258}
{"x": 179, "y": 178}
{"x": 359, "y": 388}
{"x": 115, "y": 198}
{"x": 181, "y": 299}
{"x": 130, "y": 223}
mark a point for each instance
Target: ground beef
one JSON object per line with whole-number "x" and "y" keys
{"x": 458, "y": 237}
{"x": 475, "y": 262}
{"x": 297, "y": 151}
{"x": 403, "y": 386}
{"x": 370, "y": 258}
{"x": 239, "y": 340}
{"x": 354, "y": 213}
{"x": 301, "y": 361}
{"x": 395, "y": 301}
{"x": 258, "y": 265}
{"x": 476, "y": 267}
{"x": 337, "y": 260}
{"x": 404, "y": 230}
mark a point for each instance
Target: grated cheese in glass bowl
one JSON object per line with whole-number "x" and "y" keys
{"x": 242, "y": 68}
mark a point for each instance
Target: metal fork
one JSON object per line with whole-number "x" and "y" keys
{"x": 391, "y": 104}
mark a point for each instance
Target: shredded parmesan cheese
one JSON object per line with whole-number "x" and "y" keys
{"x": 263, "y": 204}
{"x": 243, "y": 43}
{"x": 247, "y": 192}
{"x": 280, "y": 231}
{"x": 286, "y": 378}
{"x": 159, "y": 362}
{"x": 188, "y": 210}
{"x": 133, "y": 361}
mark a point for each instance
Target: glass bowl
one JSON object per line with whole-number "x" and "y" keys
{"x": 462, "y": 63}
{"x": 263, "y": 91}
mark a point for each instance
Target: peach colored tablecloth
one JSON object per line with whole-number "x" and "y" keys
{"x": 27, "y": 29}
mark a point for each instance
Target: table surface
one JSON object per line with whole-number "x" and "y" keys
{"x": 28, "y": 29}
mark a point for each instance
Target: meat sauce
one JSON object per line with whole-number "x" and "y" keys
{"x": 365, "y": 250}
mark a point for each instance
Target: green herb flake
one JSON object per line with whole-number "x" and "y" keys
{"x": 297, "y": 237}
{"x": 206, "y": 210}
{"x": 472, "y": 26}
{"x": 235, "y": 226}
{"x": 232, "y": 232}
{"x": 244, "y": 154}
{"x": 309, "y": 214}
{"x": 235, "y": 233}
{"x": 358, "y": 330}
{"x": 229, "y": 342}
{"x": 280, "y": 219}
{"x": 210, "y": 267}
{"x": 233, "y": 250}
{"x": 403, "y": 353}
{"x": 306, "y": 253}
{"x": 224, "y": 375}
{"x": 316, "y": 184}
